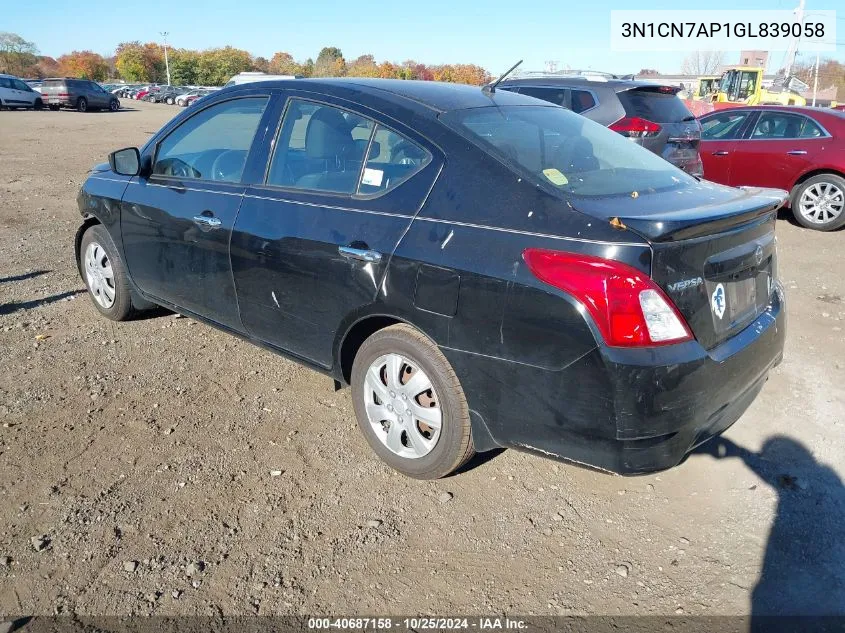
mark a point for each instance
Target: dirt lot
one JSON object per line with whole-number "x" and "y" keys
{"x": 139, "y": 462}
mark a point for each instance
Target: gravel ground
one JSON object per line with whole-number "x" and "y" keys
{"x": 161, "y": 466}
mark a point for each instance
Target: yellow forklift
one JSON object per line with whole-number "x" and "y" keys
{"x": 706, "y": 86}
{"x": 743, "y": 86}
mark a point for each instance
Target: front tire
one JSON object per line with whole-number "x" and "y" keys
{"x": 410, "y": 405}
{"x": 82, "y": 104}
{"x": 105, "y": 275}
{"x": 38, "y": 104}
{"x": 819, "y": 202}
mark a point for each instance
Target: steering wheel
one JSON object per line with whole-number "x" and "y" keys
{"x": 228, "y": 165}
{"x": 180, "y": 169}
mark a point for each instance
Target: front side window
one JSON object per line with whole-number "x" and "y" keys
{"x": 213, "y": 144}
{"x": 5, "y": 82}
{"x": 19, "y": 85}
{"x": 571, "y": 153}
{"x": 722, "y": 126}
{"x": 392, "y": 159}
{"x": 777, "y": 125}
{"x": 320, "y": 148}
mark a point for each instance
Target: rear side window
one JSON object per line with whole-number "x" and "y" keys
{"x": 724, "y": 125}
{"x": 774, "y": 125}
{"x": 392, "y": 159}
{"x": 552, "y": 95}
{"x": 213, "y": 144}
{"x": 652, "y": 105}
{"x": 567, "y": 152}
{"x": 811, "y": 129}
{"x": 320, "y": 148}
{"x": 582, "y": 100}
{"x": 5, "y": 82}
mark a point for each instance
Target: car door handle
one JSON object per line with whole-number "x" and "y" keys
{"x": 207, "y": 220}
{"x": 721, "y": 153}
{"x": 797, "y": 152}
{"x": 360, "y": 253}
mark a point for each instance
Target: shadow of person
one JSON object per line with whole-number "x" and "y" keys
{"x": 803, "y": 571}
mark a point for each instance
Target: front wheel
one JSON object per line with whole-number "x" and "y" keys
{"x": 82, "y": 104}
{"x": 410, "y": 405}
{"x": 105, "y": 275}
{"x": 38, "y": 104}
{"x": 819, "y": 202}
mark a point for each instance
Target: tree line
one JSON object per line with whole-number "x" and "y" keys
{"x": 137, "y": 62}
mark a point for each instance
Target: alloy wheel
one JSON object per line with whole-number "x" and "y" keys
{"x": 99, "y": 275}
{"x": 402, "y": 406}
{"x": 821, "y": 203}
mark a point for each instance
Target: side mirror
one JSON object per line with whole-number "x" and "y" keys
{"x": 126, "y": 162}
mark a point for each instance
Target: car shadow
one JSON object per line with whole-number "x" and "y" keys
{"x": 14, "y": 306}
{"x": 23, "y": 276}
{"x": 803, "y": 572}
{"x": 479, "y": 459}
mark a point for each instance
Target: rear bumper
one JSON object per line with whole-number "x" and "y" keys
{"x": 627, "y": 411}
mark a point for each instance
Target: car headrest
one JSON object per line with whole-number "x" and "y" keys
{"x": 327, "y": 135}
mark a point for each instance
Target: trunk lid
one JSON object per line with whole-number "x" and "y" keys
{"x": 714, "y": 254}
{"x": 54, "y": 88}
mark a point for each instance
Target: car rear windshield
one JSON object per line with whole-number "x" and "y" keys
{"x": 653, "y": 105}
{"x": 53, "y": 82}
{"x": 565, "y": 151}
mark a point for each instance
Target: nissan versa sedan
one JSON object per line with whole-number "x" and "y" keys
{"x": 484, "y": 269}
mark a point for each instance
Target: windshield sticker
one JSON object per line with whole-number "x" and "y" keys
{"x": 372, "y": 177}
{"x": 555, "y": 177}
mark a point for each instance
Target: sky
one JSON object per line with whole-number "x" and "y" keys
{"x": 491, "y": 33}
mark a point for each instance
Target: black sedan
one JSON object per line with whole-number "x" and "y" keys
{"x": 483, "y": 268}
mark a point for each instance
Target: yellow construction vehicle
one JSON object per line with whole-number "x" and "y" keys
{"x": 706, "y": 86}
{"x": 743, "y": 86}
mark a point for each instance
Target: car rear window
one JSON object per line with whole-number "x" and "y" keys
{"x": 565, "y": 152}
{"x": 53, "y": 82}
{"x": 653, "y": 105}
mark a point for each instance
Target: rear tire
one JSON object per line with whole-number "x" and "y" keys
{"x": 818, "y": 203}
{"x": 105, "y": 275}
{"x": 419, "y": 450}
{"x": 82, "y": 104}
{"x": 114, "y": 105}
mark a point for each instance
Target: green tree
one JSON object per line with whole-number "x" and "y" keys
{"x": 184, "y": 67}
{"x": 330, "y": 63}
{"x": 218, "y": 65}
{"x": 140, "y": 62}
{"x": 17, "y": 55}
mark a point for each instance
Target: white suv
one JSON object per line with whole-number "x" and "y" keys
{"x": 14, "y": 93}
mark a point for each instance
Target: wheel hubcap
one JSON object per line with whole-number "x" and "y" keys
{"x": 99, "y": 275}
{"x": 402, "y": 407}
{"x": 821, "y": 203}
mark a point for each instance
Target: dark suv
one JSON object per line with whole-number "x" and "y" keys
{"x": 648, "y": 113}
{"x": 81, "y": 94}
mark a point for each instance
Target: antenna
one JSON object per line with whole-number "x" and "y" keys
{"x": 490, "y": 88}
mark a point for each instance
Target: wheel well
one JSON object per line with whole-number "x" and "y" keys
{"x": 356, "y": 336}
{"x": 807, "y": 176}
{"x": 88, "y": 223}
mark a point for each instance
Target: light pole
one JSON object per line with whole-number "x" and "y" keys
{"x": 166, "y": 61}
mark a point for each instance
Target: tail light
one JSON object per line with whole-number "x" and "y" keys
{"x": 63, "y": 95}
{"x": 635, "y": 127}
{"x": 629, "y": 309}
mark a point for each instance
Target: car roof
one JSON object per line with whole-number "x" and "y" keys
{"x": 434, "y": 95}
{"x": 618, "y": 85}
{"x": 807, "y": 110}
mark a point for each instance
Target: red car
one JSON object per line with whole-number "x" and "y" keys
{"x": 799, "y": 149}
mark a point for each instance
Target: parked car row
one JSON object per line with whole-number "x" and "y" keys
{"x": 171, "y": 95}
{"x": 80, "y": 94}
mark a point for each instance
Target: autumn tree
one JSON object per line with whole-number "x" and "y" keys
{"x": 330, "y": 63}
{"x": 284, "y": 64}
{"x": 45, "y": 67}
{"x": 702, "y": 63}
{"x": 184, "y": 66}
{"x": 363, "y": 66}
{"x": 261, "y": 64}
{"x": 16, "y": 54}
{"x": 83, "y": 64}
{"x": 218, "y": 65}
{"x": 140, "y": 62}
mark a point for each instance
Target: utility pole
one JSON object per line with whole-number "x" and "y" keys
{"x": 816, "y": 80}
{"x": 166, "y": 61}
{"x": 793, "y": 48}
